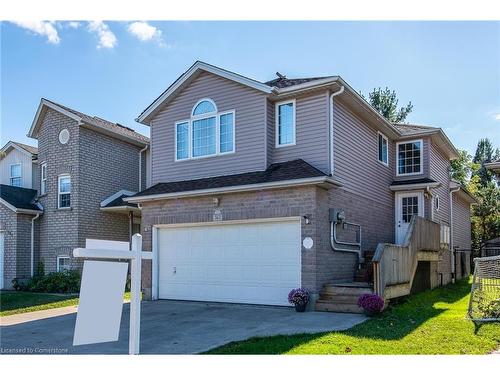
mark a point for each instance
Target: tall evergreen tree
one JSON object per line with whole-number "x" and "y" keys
{"x": 485, "y": 153}
{"x": 386, "y": 103}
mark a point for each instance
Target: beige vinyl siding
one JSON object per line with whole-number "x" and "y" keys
{"x": 356, "y": 163}
{"x": 439, "y": 171}
{"x": 15, "y": 156}
{"x": 461, "y": 224}
{"x": 311, "y": 132}
{"x": 250, "y": 120}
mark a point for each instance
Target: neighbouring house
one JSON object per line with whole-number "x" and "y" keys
{"x": 261, "y": 187}
{"x": 86, "y": 165}
{"x": 18, "y": 165}
{"x": 493, "y": 166}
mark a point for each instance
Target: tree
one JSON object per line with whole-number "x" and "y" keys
{"x": 461, "y": 168}
{"x": 386, "y": 103}
{"x": 486, "y": 215}
{"x": 485, "y": 153}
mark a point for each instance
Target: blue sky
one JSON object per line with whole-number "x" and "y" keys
{"x": 449, "y": 70}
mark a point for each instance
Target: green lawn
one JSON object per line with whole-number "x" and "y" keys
{"x": 432, "y": 322}
{"x": 21, "y": 302}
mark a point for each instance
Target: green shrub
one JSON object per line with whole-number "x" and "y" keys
{"x": 67, "y": 281}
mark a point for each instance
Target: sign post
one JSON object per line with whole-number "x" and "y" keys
{"x": 90, "y": 297}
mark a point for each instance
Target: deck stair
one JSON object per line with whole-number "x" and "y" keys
{"x": 342, "y": 297}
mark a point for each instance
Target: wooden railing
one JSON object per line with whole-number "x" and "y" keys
{"x": 394, "y": 266}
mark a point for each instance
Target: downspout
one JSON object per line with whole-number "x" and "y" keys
{"x": 330, "y": 117}
{"x": 140, "y": 166}
{"x": 32, "y": 249}
{"x": 451, "y": 234}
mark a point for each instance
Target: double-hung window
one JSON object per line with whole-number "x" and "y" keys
{"x": 207, "y": 133}
{"x": 43, "y": 178}
{"x": 383, "y": 156}
{"x": 409, "y": 158}
{"x": 285, "y": 123}
{"x": 15, "y": 175}
{"x": 64, "y": 191}
{"x": 63, "y": 263}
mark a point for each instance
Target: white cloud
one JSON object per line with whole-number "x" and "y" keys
{"x": 74, "y": 24}
{"x": 497, "y": 117}
{"x": 44, "y": 28}
{"x": 106, "y": 37}
{"x": 145, "y": 32}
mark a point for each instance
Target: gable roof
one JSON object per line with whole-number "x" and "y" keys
{"x": 92, "y": 122}
{"x": 295, "y": 170}
{"x": 438, "y": 136}
{"x": 19, "y": 200}
{"x": 33, "y": 151}
{"x": 188, "y": 76}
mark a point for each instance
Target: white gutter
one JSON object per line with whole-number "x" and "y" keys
{"x": 32, "y": 252}
{"x": 236, "y": 189}
{"x": 330, "y": 117}
{"x": 415, "y": 186}
{"x": 451, "y": 233}
{"x": 140, "y": 166}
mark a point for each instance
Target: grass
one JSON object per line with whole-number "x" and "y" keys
{"x": 431, "y": 322}
{"x": 21, "y": 302}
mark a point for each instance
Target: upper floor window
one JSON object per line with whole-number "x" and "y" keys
{"x": 285, "y": 123}
{"x": 64, "y": 191}
{"x": 43, "y": 178}
{"x": 15, "y": 175}
{"x": 436, "y": 202}
{"x": 383, "y": 155}
{"x": 206, "y": 133}
{"x": 409, "y": 158}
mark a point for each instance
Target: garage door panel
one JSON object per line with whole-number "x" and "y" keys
{"x": 246, "y": 263}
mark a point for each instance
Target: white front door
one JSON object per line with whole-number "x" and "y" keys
{"x": 1, "y": 260}
{"x": 254, "y": 262}
{"x": 407, "y": 205}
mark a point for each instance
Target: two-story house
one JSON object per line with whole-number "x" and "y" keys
{"x": 86, "y": 166}
{"x": 260, "y": 187}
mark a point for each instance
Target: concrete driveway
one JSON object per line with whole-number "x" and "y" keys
{"x": 169, "y": 327}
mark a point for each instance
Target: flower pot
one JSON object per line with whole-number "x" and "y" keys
{"x": 300, "y": 307}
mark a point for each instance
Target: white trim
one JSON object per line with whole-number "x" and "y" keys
{"x": 204, "y": 114}
{"x": 116, "y": 195}
{"x": 154, "y": 266}
{"x": 276, "y": 123}
{"x": 53, "y": 106}
{"x": 17, "y": 147}
{"x": 20, "y": 175}
{"x": 238, "y": 188}
{"x": 398, "y": 208}
{"x": 120, "y": 209}
{"x": 199, "y": 65}
{"x": 61, "y": 257}
{"x": 189, "y": 122}
{"x": 386, "y": 163}
{"x": 42, "y": 166}
{"x": 421, "y": 157}
{"x": 308, "y": 85}
{"x": 415, "y": 186}
{"x": 229, "y": 222}
{"x": 63, "y": 175}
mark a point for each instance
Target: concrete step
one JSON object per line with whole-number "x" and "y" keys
{"x": 325, "y": 305}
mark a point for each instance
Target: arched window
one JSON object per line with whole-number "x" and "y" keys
{"x": 203, "y": 107}
{"x": 206, "y": 133}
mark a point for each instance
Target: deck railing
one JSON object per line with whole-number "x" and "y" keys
{"x": 394, "y": 266}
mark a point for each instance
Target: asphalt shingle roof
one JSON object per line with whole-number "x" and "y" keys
{"x": 288, "y": 82}
{"x": 32, "y": 150}
{"x": 290, "y": 170}
{"x": 19, "y": 197}
{"x": 414, "y": 181}
{"x": 119, "y": 202}
{"x": 101, "y": 123}
{"x": 410, "y": 129}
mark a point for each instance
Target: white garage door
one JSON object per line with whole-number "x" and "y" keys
{"x": 251, "y": 262}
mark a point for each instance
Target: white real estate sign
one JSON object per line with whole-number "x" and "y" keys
{"x": 101, "y": 300}
{"x": 101, "y": 293}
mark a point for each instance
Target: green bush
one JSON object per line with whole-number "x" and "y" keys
{"x": 67, "y": 281}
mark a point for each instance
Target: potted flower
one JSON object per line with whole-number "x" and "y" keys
{"x": 372, "y": 304}
{"x": 299, "y": 297}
